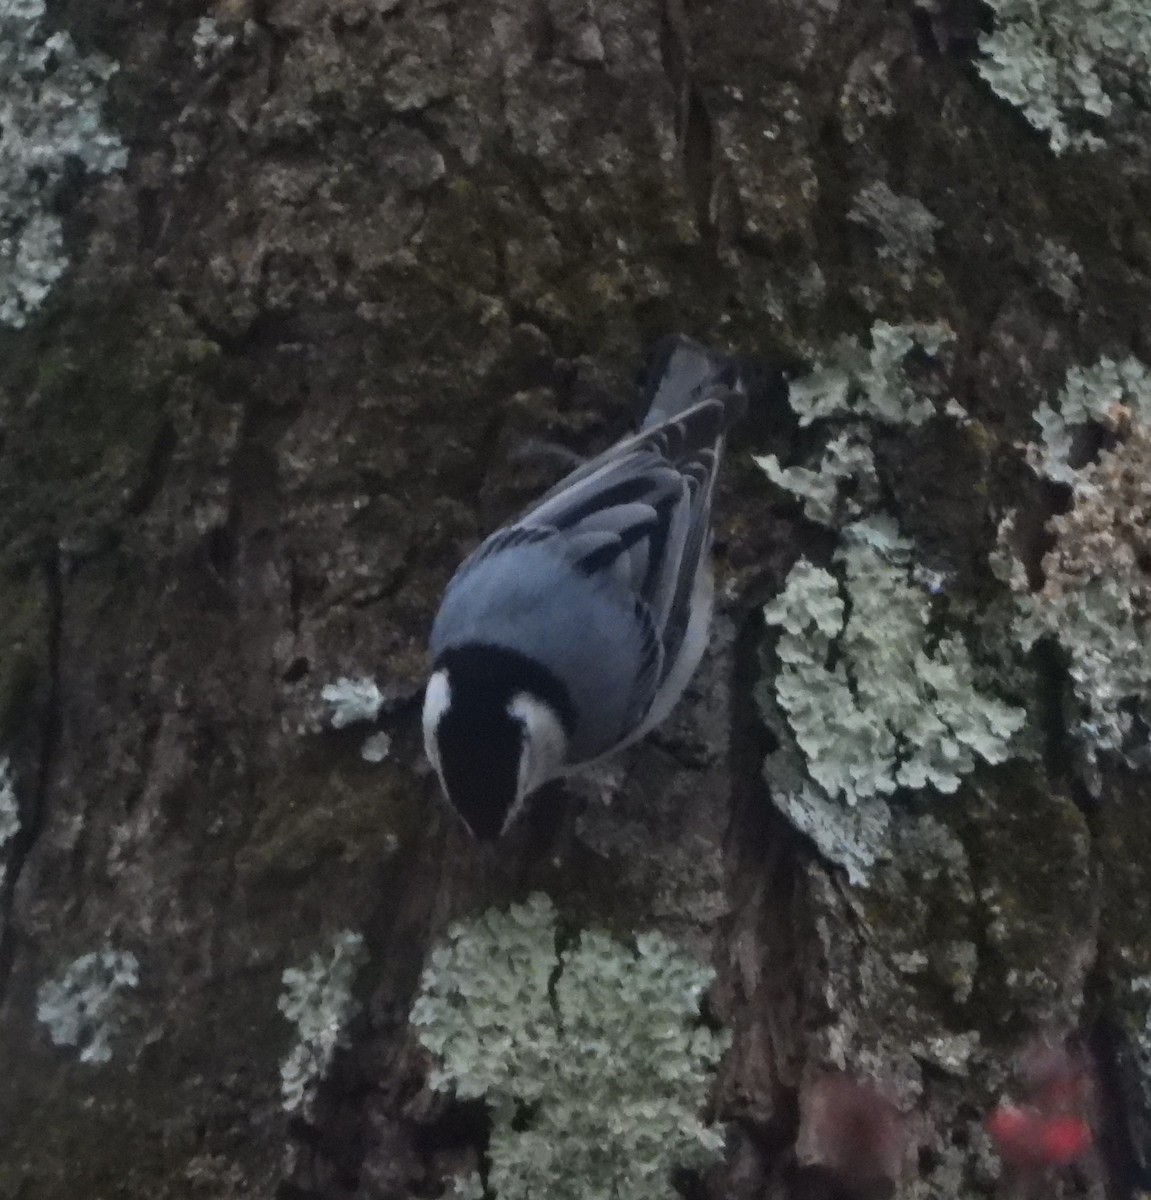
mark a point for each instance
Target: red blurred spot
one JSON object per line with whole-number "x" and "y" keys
{"x": 1026, "y": 1138}
{"x": 1064, "y": 1140}
{"x": 1015, "y": 1132}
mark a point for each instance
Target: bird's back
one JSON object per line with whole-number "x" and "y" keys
{"x": 597, "y": 581}
{"x": 581, "y": 628}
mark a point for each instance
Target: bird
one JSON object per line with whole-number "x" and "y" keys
{"x": 573, "y": 631}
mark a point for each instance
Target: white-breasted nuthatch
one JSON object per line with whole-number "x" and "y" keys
{"x": 571, "y": 632}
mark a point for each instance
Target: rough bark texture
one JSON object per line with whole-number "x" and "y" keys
{"x": 356, "y": 260}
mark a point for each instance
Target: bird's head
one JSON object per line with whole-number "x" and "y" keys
{"x": 496, "y": 728}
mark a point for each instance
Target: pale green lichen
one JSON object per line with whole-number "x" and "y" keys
{"x": 1069, "y": 65}
{"x": 376, "y": 748}
{"x": 875, "y": 382}
{"x": 466, "y": 1187}
{"x": 318, "y": 1000}
{"x": 591, "y": 1059}
{"x": 905, "y": 227}
{"x": 9, "y": 813}
{"x": 1095, "y": 601}
{"x": 352, "y": 700}
{"x": 856, "y": 837}
{"x": 210, "y": 43}
{"x": 866, "y": 697}
{"x": 844, "y": 485}
{"x": 84, "y": 1006}
{"x": 1108, "y": 395}
{"x": 51, "y": 101}
{"x": 872, "y": 697}
{"x": 1060, "y": 270}
{"x": 851, "y": 387}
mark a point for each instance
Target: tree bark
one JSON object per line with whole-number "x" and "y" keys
{"x": 359, "y": 255}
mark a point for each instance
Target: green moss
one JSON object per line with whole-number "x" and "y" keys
{"x": 1124, "y": 847}
{"x": 580, "y": 259}
{"x": 24, "y": 619}
{"x": 1030, "y": 851}
{"x": 921, "y": 906}
{"x": 85, "y": 417}
{"x": 327, "y": 806}
{"x": 986, "y": 913}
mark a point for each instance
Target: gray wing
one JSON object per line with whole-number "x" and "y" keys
{"x": 638, "y": 515}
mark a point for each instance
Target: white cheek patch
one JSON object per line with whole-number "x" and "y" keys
{"x": 544, "y": 747}
{"x": 437, "y": 701}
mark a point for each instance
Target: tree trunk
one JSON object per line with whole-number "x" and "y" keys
{"x": 360, "y": 254}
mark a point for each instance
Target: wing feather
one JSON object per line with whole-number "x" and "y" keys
{"x": 652, "y": 493}
{"x": 639, "y": 516}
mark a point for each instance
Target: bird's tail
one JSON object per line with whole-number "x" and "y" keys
{"x": 679, "y": 372}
